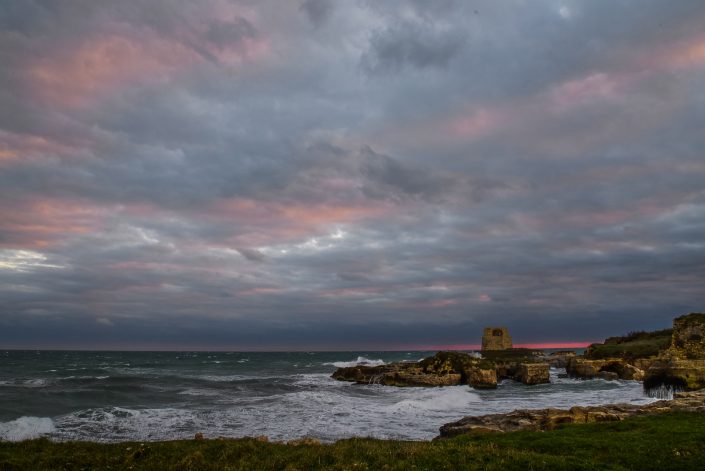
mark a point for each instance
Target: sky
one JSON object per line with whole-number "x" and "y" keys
{"x": 341, "y": 175}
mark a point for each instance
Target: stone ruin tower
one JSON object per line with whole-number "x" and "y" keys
{"x": 688, "y": 340}
{"x": 496, "y": 338}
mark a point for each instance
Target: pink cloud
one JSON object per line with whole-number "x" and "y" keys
{"x": 43, "y": 222}
{"x": 77, "y": 74}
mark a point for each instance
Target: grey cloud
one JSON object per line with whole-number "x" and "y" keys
{"x": 251, "y": 254}
{"x": 227, "y": 33}
{"x": 317, "y": 11}
{"x": 419, "y": 46}
{"x": 335, "y": 158}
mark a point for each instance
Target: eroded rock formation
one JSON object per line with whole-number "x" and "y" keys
{"x": 682, "y": 366}
{"x": 452, "y": 368}
{"x": 548, "y": 419}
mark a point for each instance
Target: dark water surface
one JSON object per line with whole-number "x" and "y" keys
{"x": 115, "y": 396}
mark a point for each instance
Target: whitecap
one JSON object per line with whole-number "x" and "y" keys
{"x": 25, "y": 428}
{"x": 449, "y": 398}
{"x": 360, "y": 361}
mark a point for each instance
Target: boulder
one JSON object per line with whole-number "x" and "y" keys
{"x": 559, "y": 359}
{"x": 480, "y": 378}
{"x": 610, "y": 369}
{"x": 533, "y": 373}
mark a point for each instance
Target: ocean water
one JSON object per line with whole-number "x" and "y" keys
{"x": 118, "y": 396}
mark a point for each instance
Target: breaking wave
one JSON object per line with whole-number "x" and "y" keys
{"x": 360, "y": 361}
{"x": 26, "y": 428}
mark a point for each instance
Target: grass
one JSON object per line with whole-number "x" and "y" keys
{"x": 631, "y": 346}
{"x": 667, "y": 441}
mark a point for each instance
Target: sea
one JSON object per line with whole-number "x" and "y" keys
{"x": 146, "y": 396}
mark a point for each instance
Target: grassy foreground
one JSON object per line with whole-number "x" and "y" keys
{"x": 667, "y": 441}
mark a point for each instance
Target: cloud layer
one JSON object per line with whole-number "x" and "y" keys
{"x": 341, "y": 175}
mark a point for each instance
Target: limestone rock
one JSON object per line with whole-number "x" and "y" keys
{"x": 549, "y": 419}
{"x": 688, "y": 340}
{"x": 533, "y": 373}
{"x": 480, "y": 378}
{"x": 611, "y": 368}
{"x": 559, "y": 359}
{"x": 682, "y": 366}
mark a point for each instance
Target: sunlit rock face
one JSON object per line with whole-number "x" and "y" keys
{"x": 688, "y": 339}
{"x": 682, "y": 366}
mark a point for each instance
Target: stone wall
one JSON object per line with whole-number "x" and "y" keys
{"x": 496, "y": 338}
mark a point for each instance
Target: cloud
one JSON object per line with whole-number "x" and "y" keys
{"x": 251, "y": 254}
{"x": 360, "y": 174}
{"x": 411, "y": 45}
{"x": 317, "y": 11}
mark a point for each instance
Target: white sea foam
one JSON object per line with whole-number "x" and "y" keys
{"x": 359, "y": 361}
{"x": 448, "y": 398}
{"x": 25, "y": 428}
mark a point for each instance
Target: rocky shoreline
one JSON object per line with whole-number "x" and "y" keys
{"x": 549, "y": 419}
{"x": 454, "y": 368}
{"x": 673, "y": 358}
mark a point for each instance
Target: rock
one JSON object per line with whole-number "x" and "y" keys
{"x": 452, "y": 368}
{"x": 198, "y": 436}
{"x": 579, "y": 367}
{"x": 611, "y": 368}
{"x": 682, "y": 366}
{"x": 398, "y": 374}
{"x": 608, "y": 375}
{"x": 688, "y": 340}
{"x": 480, "y": 378}
{"x": 533, "y": 373}
{"x": 559, "y": 359}
{"x": 549, "y": 419}
{"x": 686, "y": 375}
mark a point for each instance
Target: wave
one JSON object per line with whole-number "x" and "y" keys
{"x": 360, "y": 361}
{"x": 25, "y": 428}
{"x": 26, "y": 383}
{"x": 449, "y": 398}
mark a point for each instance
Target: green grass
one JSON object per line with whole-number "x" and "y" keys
{"x": 631, "y": 346}
{"x": 668, "y": 441}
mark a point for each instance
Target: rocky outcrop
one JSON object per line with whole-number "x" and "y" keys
{"x": 682, "y": 366}
{"x": 688, "y": 338}
{"x": 558, "y": 359}
{"x": 481, "y": 378}
{"x": 611, "y": 368}
{"x": 532, "y": 373}
{"x": 451, "y": 368}
{"x": 681, "y": 375}
{"x": 397, "y": 374}
{"x": 549, "y": 419}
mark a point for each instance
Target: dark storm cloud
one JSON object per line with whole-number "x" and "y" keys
{"x": 348, "y": 175}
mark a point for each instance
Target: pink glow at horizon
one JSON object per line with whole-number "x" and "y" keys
{"x": 476, "y": 347}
